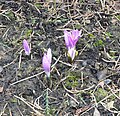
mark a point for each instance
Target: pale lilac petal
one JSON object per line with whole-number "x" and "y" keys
{"x": 26, "y": 47}
{"x": 46, "y": 63}
{"x": 71, "y": 42}
{"x": 66, "y": 37}
{"x": 71, "y": 38}
{"x": 76, "y": 35}
{"x": 49, "y": 55}
{"x": 72, "y": 53}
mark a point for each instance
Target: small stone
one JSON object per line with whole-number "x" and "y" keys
{"x": 87, "y": 21}
{"x": 1, "y": 89}
{"x": 102, "y": 74}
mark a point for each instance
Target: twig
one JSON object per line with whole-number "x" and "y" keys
{"x": 37, "y": 112}
{"x": 78, "y": 91}
{"x": 63, "y": 62}
{"x": 27, "y": 78}
{"x": 20, "y": 59}
{"x": 10, "y": 62}
{"x": 99, "y": 102}
{"x": 72, "y": 98}
{"x": 2, "y": 112}
{"x": 83, "y": 50}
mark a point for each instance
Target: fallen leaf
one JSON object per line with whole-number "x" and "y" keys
{"x": 96, "y": 112}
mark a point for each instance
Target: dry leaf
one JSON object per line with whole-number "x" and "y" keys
{"x": 96, "y": 112}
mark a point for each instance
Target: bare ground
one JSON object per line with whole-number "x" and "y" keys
{"x": 88, "y": 87}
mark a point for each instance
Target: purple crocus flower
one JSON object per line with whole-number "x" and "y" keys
{"x": 72, "y": 37}
{"x": 46, "y": 62}
{"x": 26, "y": 47}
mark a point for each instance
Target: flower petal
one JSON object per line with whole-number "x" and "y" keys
{"x": 68, "y": 39}
{"x": 49, "y": 55}
{"x": 71, "y": 38}
{"x": 76, "y": 35}
{"x": 72, "y": 53}
{"x": 26, "y": 47}
{"x": 46, "y": 63}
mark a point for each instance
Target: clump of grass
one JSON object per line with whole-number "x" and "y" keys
{"x": 100, "y": 94}
{"x": 99, "y": 43}
{"x": 72, "y": 81}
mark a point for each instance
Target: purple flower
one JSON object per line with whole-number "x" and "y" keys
{"x": 72, "y": 37}
{"x": 46, "y": 62}
{"x": 26, "y": 47}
